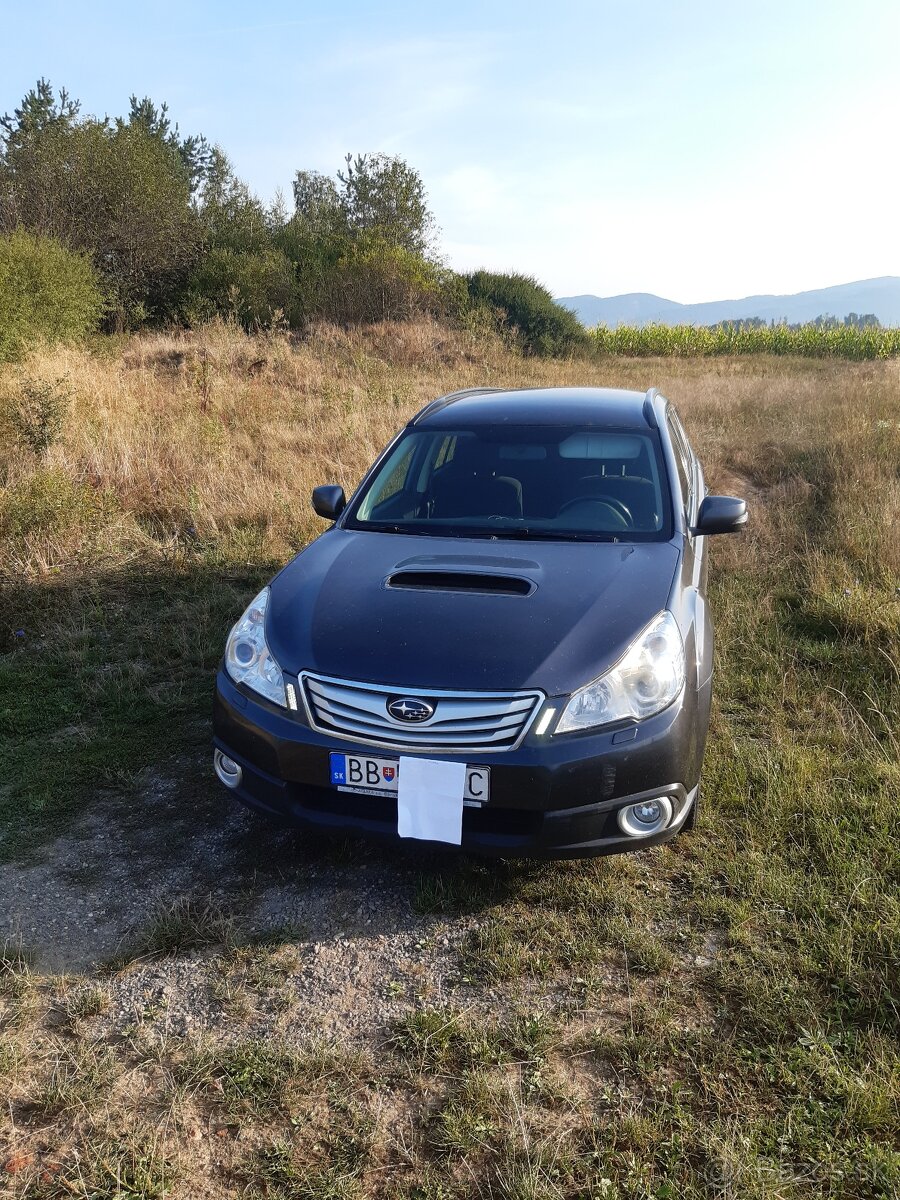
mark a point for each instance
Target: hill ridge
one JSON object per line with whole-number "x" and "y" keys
{"x": 879, "y": 295}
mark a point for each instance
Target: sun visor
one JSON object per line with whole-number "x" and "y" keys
{"x": 523, "y": 452}
{"x": 601, "y": 445}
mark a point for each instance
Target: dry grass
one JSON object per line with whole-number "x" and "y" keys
{"x": 222, "y": 436}
{"x": 749, "y": 1047}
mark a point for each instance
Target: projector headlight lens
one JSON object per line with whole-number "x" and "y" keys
{"x": 647, "y": 678}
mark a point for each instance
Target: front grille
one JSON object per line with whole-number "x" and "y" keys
{"x": 461, "y": 720}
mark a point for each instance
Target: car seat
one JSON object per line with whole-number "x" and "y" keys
{"x": 469, "y": 487}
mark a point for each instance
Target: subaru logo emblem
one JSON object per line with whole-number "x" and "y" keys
{"x": 408, "y": 708}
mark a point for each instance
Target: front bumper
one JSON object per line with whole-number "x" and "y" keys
{"x": 551, "y": 797}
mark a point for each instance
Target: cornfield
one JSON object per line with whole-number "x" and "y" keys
{"x": 689, "y": 341}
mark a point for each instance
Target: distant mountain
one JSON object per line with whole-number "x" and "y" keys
{"x": 878, "y": 296}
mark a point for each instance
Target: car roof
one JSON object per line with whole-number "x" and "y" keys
{"x": 612, "y": 407}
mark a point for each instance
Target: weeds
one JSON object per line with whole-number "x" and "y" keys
{"x": 38, "y": 415}
{"x": 179, "y": 926}
{"x": 50, "y": 502}
{"x": 15, "y": 970}
{"x": 252, "y": 1076}
{"x": 266, "y": 1078}
{"x": 449, "y": 1040}
{"x": 76, "y": 1079}
{"x": 713, "y": 1019}
{"x": 120, "y": 1169}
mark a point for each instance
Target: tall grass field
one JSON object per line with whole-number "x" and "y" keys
{"x": 859, "y": 344}
{"x": 717, "y": 1018}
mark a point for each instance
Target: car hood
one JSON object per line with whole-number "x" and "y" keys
{"x": 331, "y": 610}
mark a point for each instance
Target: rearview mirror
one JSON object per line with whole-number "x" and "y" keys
{"x": 329, "y": 501}
{"x": 721, "y": 514}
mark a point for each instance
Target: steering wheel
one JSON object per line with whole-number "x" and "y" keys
{"x": 610, "y": 500}
{"x": 588, "y": 505}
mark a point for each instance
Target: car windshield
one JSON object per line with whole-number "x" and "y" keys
{"x": 531, "y": 481}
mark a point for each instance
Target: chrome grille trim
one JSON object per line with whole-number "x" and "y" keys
{"x": 465, "y": 721}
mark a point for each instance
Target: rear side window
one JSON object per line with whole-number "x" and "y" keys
{"x": 682, "y": 460}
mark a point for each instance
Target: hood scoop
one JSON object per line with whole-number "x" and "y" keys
{"x": 461, "y": 581}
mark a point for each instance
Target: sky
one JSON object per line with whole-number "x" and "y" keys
{"x": 696, "y": 150}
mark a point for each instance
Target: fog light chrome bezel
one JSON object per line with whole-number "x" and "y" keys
{"x": 227, "y": 770}
{"x": 631, "y": 825}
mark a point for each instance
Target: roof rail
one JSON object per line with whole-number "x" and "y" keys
{"x": 442, "y": 401}
{"x": 649, "y": 407}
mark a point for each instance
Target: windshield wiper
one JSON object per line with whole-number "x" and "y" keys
{"x": 553, "y": 535}
{"x": 387, "y": 527}
{"x": 461, "y": 531}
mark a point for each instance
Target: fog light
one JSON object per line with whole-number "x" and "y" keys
{"x": 649, "y": 816}
{"x": 227, "y": 770}
{"x": 647, "y": 813}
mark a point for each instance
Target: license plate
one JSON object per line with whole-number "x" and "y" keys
{"x": 375, "y": 776}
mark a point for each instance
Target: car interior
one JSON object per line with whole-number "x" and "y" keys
{"x": 580, "y": 481}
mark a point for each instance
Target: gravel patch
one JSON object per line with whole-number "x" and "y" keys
{"x": 327, "y": 939}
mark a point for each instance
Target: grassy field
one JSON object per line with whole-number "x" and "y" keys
{"x": 714, "y": 1019}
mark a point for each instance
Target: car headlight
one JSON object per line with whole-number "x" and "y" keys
{"x": 643, "y": 682}
{"x": 247, "y": 657}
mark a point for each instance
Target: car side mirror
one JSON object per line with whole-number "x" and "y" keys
{"x": 721, "y": 514}
{"x": 329, "y": 501}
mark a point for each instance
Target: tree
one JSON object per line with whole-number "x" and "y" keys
{"x": 230, "y": 215}
{"x": 146, "y": 233}
{"x": 38, "y": 113}
{"x": 118, "y": 191}
{"x": 361, "y": 242}
{"x": 317, "y": 204}
{"x": 862, "y": 320}
{"x": 375, "y": 194}
{"x": 386, "y": 194}
{"x": 172, "y": 232}
{"x": 194, "y": 153}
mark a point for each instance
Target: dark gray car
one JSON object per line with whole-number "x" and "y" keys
{"x": 518, "y": 587}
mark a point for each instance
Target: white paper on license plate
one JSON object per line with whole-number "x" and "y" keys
{"x": 374, "y": 776}
{"x": 430, "y": 800}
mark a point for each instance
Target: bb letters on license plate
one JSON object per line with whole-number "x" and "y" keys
{"x": 376, "y": 776}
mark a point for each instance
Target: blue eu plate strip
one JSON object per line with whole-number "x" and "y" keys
{"x": 338, "y": 768}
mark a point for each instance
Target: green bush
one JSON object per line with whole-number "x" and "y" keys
{"x": 47, "y": 293}
{"x": 51, "y": 502}
{"x": 362, "y": 276}
{"x": 526, "y": 309}
{"x": 377, "y": 280}
{"x": 255, "y": 288}
{"x": 37, "y": 415}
